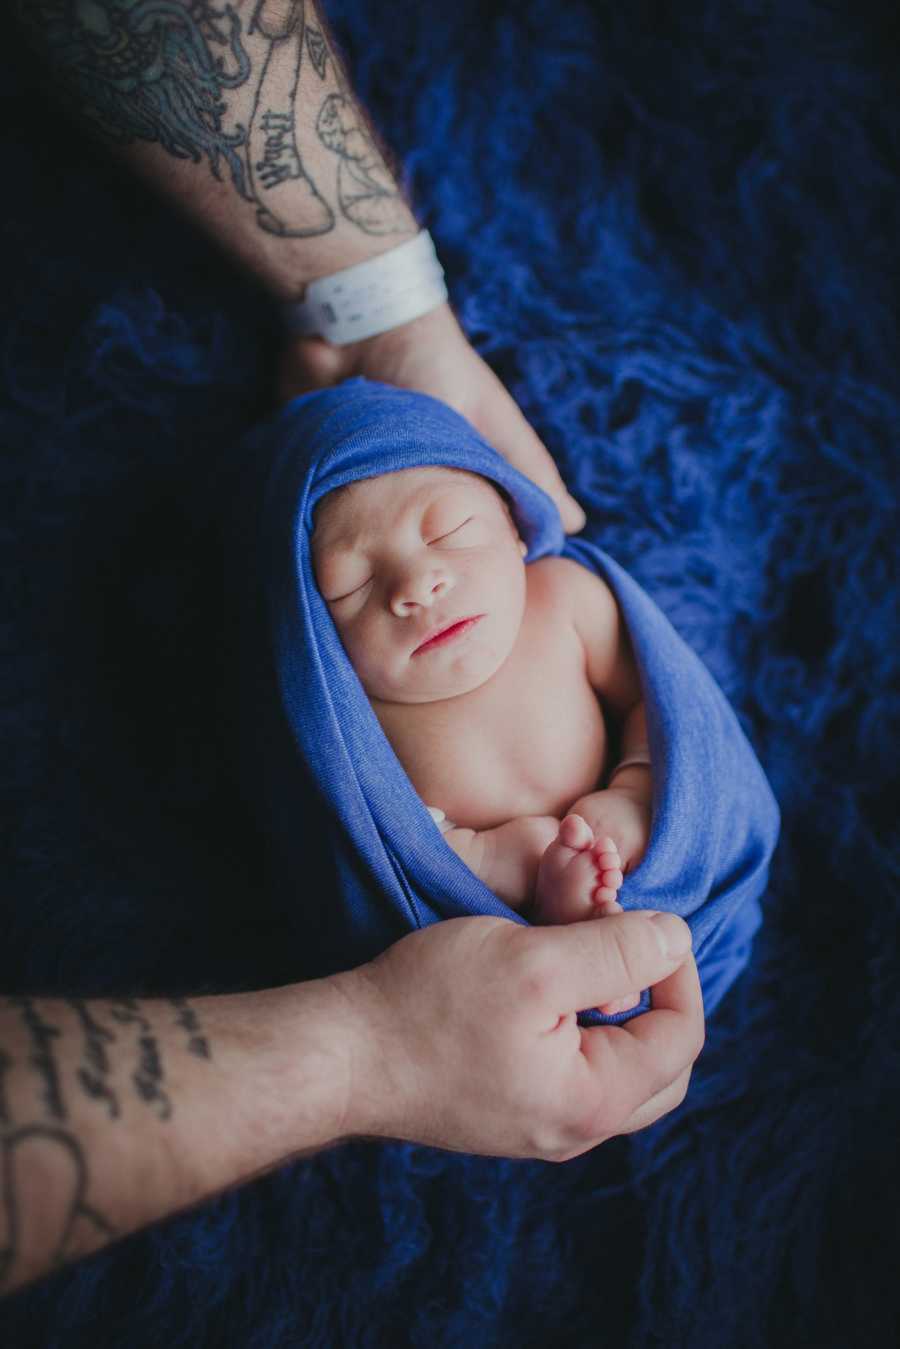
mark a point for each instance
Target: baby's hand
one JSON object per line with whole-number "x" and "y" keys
{"x": 622, "y": 815}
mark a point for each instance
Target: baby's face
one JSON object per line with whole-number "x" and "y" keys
{"x": 401, "y": 556}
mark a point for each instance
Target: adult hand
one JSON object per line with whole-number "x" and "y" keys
{"x": 432, "y": 355}
{"x": 466, "y": 1035}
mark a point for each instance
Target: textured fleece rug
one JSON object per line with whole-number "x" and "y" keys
{"x": 672, "y": 231}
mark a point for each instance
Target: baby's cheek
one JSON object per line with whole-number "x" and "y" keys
{"x": 365, "y": 648}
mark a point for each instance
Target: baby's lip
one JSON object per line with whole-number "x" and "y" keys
{"x": 445, "y": 627}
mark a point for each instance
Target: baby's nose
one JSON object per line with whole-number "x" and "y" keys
{"x": 422, "y": 588}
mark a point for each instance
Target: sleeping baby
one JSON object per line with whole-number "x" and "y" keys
{"x": 509, "y": 693}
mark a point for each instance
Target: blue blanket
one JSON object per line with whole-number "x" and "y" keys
{"x": 715, "y": 820}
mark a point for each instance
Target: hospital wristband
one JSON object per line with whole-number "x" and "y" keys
{"x": 371, "y": 297}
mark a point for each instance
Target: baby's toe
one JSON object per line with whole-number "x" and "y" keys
{"x": 609, "y": 875}
{"x": 604, "y": 900}
{"x": 566, "y": 880}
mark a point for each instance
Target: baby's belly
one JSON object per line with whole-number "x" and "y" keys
{"x": 537, "y": 761}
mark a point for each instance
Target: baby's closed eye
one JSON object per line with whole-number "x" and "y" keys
{"x": 454, "y": 532}
{"x": 334, "y": 599}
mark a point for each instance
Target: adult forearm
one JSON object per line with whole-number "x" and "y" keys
{"x": 242, "y": 115}
{"x": 116, "y": 1112}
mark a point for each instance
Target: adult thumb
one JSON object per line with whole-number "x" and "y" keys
{"x": 600, "y": 961}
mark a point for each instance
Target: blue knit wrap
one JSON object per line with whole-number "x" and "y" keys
{"x": 715, "y": 821}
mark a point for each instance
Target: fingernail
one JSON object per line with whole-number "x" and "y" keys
{"x": 673, "y": 934}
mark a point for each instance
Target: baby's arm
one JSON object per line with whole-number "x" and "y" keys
{"x": 506, "y": 858}
{"x": 622, "y": 810}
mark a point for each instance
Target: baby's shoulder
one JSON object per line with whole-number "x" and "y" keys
{"x": 565, "y": 580}
{"x": 564, "y": 591}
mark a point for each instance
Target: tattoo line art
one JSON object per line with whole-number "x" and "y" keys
{"x": 73, "y": 1225}
{"x": 367, "y": 194}
{"x": 160, "y": 71}
{"x": 272, "y": 149}
{"x": 318, "y": 50}
{"x": 143, "y": 70}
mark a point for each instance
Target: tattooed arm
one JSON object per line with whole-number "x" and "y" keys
{"x": 114, "y": 1112}
{"x": 242, "y": 115}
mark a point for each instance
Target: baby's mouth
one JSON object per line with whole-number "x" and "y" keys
{"x": 448, "y": 633}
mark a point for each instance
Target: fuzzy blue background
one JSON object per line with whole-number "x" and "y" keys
{"x": 672, "y": 231}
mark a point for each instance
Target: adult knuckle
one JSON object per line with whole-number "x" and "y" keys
{"x": 534, "y": 972}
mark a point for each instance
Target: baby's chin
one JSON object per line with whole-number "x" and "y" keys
{"x": 433, "y": 686}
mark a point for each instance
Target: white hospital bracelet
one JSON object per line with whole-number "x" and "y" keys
{"x": 372, "y": 296}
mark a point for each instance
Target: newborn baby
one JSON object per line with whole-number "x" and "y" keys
{"x": 491, "y": 679}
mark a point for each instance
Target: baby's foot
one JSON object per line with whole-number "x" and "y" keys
{"x": 578, "y": 878}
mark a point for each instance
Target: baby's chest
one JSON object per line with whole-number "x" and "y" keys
{"x": 536, "y": 744}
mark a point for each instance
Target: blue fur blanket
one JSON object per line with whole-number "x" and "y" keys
{"x": 672, "y": 232}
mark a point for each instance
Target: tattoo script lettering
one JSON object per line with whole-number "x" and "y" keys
{"x": 37, "y": 1135}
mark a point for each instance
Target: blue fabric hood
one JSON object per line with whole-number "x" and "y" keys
{"x": 715, "y": 820}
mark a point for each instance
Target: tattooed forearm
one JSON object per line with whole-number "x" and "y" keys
{"x": 143, "y": 70}
{"x": 67, "y": 1226}
{"x": 41, "y": 1057}
{"x": 58, "y": 1060}
{"x": 187, "y": 1018}
{"x": 252, "y": 89}
{"x": 166, "y": 1102}
{"x": 93, "y": 1073}
{"x": 273, "y": 152}
{"x": 149, "y": 1077}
